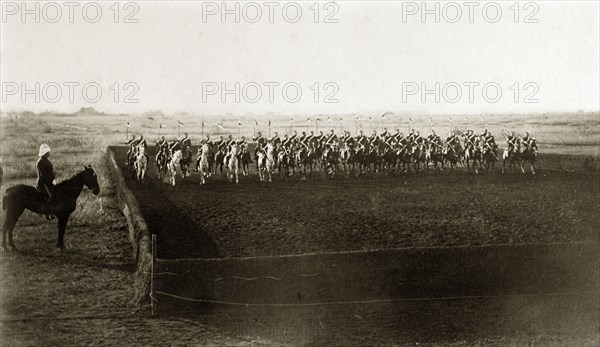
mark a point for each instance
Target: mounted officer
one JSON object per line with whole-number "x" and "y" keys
{"x": 220, "y": 144}
{"x": 162, "y": 146}
{"x": 230, "y": 142}
{"x": 175, "y": 145}
{"x": 384, "y": 135}
{"x": 185, "y": 140}
{"x": 242, "y": 142}
{"x": 287, "y": 141}
{"x": 396, "y": 136}
{"x": 362, "y": 139}
{"x": 130, "y": 150}
{"x": 332, "y": 138}
{"x": 512, "y": 142}
{"x": 302, "y": 138}
{"x": 319, "y": 138}
{"x": 46, "y": 179}
{"x": 470, "y": 139}
{"x": 275, "y": 140}
{"x": 529, "y": 143}
{"x": 294, "y": 136}
{"x": 260, "y": 141}
{"x": 435, "y": 141}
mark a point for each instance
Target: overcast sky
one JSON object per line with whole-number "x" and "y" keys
{"x": 371, "y": 57}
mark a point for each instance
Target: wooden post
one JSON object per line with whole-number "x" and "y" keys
{"x": 152, "y": 300}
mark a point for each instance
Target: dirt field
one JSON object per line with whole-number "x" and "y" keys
{"x": 292, "y": 216}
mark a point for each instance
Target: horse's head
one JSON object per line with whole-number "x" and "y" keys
{"x": 90, "y": 179}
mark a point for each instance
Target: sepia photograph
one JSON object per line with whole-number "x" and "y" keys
{"x": 300, "y": 173}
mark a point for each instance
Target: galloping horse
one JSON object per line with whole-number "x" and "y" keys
{"x": 270, "y": 161}
{"x": 510, "y": 156}
{"x": 245, "y": 159}
{"x": 404, "y": 157}
{"x": 345, "y": 159}
{"x": 261, "y": 162}
{"x": 219, "y": 161}
{"x": 528, "y": 154}
{"x": 131, "y": 162}
{"x": 203, "y": 165}
{"x": 434, "y": 156}
{"x": 451, "y": 157}
{"x": 489, "y": 158}
{"x": 161, "y": 164}
{"x": 473, "y": 153}
{"x": 285, "y": 161}
{"x": 418, "y": 156}
{"x": 141, "y": 164}
{"x": 233, "y": 163}
{"x": 173, "y": 165}
{"x": 186, "y": 160}
{"x": 63, "y": 202}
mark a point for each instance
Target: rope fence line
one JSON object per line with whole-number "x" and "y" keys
{"x": 154, "y": 300}
{"x": 377, "y": 301}
{"x": 375, "y": 250}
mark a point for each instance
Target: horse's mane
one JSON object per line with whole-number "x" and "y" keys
{"x": 68, "y": 181}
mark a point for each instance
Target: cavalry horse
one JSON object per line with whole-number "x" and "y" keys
{"x": 266, "y": 162}
{"x": 141, "y": 164}
{"x": 473, "y": 158}
{"x": 450, "y": 156}
{"x": 173, "y": 165}
{"x": 346, "y": 159}
{"x": 131, "y": 159}
{"x": 186, "y": 160}
{"x": 418, "y": 156}
{"x": 404, "y": 157}
{"x": 245, "y": 160}
{"x": 489, "y": 157}
{"x": 203, "y": 163}
{"x": 63, "y": 202}
{"x": 510, "y": 156}
{"x": 261, "y": 162}
{"x": 270, "y": 160}
{"x": 434, "y": 156}
{"x": 233, "y": 163}
{"x": 331, "y": 160}
{"x": 219, "y": 161}
{"x": 304, "y": 160}
{"x": 528, "y": 154}
{"x": 285, "y": 162}
{"x": 161, "y": 164}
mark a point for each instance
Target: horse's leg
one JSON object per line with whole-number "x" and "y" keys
{"x": 62, "y": 226}
{"x": 521, "y": 164}
{"x": 12, "y": 216}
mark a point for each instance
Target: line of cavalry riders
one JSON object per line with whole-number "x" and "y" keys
{"x": 379, "y": 152}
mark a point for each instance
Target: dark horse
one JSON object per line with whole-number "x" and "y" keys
{"x": 20, "y": 197}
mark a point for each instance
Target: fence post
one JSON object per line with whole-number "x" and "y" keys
{"x": 152, "y": 300}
